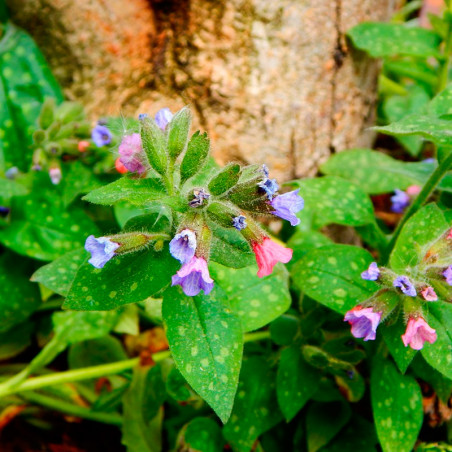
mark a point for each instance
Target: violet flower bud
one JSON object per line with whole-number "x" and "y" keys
{"x": 102, "y": 249}
{"x": 287, "y": 205}
{"x": 448, "y": 275}
{"x": 239, "y": 222}
{"x": 372, "y": 273}
{"x": 400, "y": 201}
{"x": 163, "y": 117}
{"x": 131, "y": 153}
{"x": 405, "y": 285}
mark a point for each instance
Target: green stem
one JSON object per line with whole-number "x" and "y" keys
{"x": 73, "y": 410}
{"x": 444, "y": 71}
{"x": 87, "y": 373}
{"x": 426, "y": 191}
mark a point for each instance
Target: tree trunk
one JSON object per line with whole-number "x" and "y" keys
{"x": 270, "y": 80}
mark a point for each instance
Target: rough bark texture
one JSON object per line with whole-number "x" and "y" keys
{"x": 270, "y": 80}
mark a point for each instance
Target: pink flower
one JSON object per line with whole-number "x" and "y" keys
{"x": 364, "y": 322}
{"x": 268, "y": 253}
{"x": 131, "y": 153}
{"x": 194, "y": 277}
{"x": 417, "y": 332}
{"x": 429, "y": 294}
{"x": 449, "y": 235}
{"x": 413, "y": 190}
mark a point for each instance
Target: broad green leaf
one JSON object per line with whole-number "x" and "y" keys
{"x": 256, "y": 301}
{"x": 331, "y": 275}
{"x": 15, "y": 340}
{"x": 41, "y": 227}
{"x": 429, "y": 127}
{"x": 77, "y": 179}
{"x": 380, "y": 39}
{"x": 129, "y": 320}
{"x": 416, "y": 237}
{"x": 440, "y": 104}
{"x": 285, "y": 328}
{"x": 324, "y": 422}
{"x": 225, "y": 179}
{"x": 18, "y": 296}
{"x": 154, "y": 144}
{"x": 206, "y": 342}
{"x": 397, "y": 107}
{"x": 255, "y": 407}
{"x": 124, "y": 211}
{"x": 392, "y": 331}
{"x": 419, "y": 70}
{"x": 296, "y": 381}
{"x": 201, "y": 434}
{"x": 397, "y": 407}
{"x": 25, "y": 81}
{"x": 439, "y": 354}
{"x": 140, "y": 433}
{"x": 128, "y": 278}
{"x": 229, "y": 248}
{"x": 304, "y": 241}
{"x": 59, "y": 274}
{"x": 358, "y": 435}
{"x": 334, "y": 200}
{"x": 377, "y": 173}
{"x": 94, "y": 352}
{"x": 139, "y": 192}
{"x": 9, "y": 188}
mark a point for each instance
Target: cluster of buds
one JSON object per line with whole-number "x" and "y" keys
{"x": 232, "y": 198}
{"x": 415, "y": 292}
{"x": 64, "y": 134}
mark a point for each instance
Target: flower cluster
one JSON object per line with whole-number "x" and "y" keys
{"x": 232, "y": 198}
{"x": 366, "y": 317}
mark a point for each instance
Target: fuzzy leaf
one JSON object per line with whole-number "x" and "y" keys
{"x": 178, "y": 130}
{"x": 154, "y": 144}
{"x": 225, "y": 179}
{"x": 195, "y": 157}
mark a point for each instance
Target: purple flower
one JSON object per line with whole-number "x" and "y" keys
{"x": 405, "y": 285}
{"x": 4, "y": 210}
{"x": 131, "y": 153}
{"x": 101, "y": 136}
{"x": 372, "y": 273}
{"x": 12, "y": 172}
{"x": 183, "y": 246}
{"x": 364, "y": 322}
{"x": 270, "y": 186}
{"x": 287, "y": 205}
{"x": 448, "y": 275}
{"x": 399, "y": 201}
{"x": 199, "y": 195}
{"x": 102, "y": 249}
{"x": 239, "y": 222}
{"x": 163, "y": 117}
{"x": 55, "y": 175}
{"x": 429, "y": 294}
{"x": 194, "y": 277}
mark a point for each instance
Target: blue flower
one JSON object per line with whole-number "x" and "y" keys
{"x": 372, "y": 273}
{"x": 141, "y": 116}
{"x": 287, "y": 205}
{"x": 265, "y": 170}
{"x": 448, "y": 275}
{"x": 12, "y": 172}
{"x": 101, "y": 136}
{"x": 183, "y": 246}
{"x": 194, "y": 277}
{"x": 270, "y": 186}
{"x": 239, "y": 222}
{"x": 400, "y": 201}
{"x": 102, "y": 249}
{"x": 405, "y": 285}
{"x": 163, "y": 117}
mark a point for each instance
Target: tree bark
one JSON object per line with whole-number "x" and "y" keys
{"x": 271, "y": 81}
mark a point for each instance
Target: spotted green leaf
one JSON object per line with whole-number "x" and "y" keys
{"x": 59, "y": 274}
{"x": 439, "y": 354}
{"x": 41, "y": 227}
{"x": 397, "y": 407}
{"x": 380, "y": 39}
{"x": 139, "y": 192}
{"x": 255, "y": 407}
{"x": 296, "y": 381}
{"x": 9, "y": 188}
{"x": 441, "y": 103}
{"x": 18, "y": 296}
{"x": 128, "y": 278}
{"x": 206, "y": 342}
{"x": 334, "y": 200}
{"x": 77, "y": 180}
{"x": 331, "y": 275}
{"x": 416, "y": 237}
{"x": 433, "y": 129}
{"x": 201, "y": 434}
{"x": 25, "y": 81}
{"x": 256, "y": 301}
{"x": 377, "y": 173}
